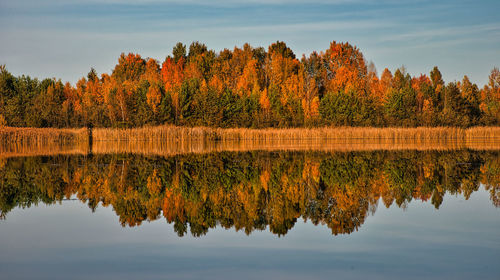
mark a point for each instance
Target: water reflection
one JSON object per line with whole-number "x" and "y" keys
{"x": 249, "y": 190}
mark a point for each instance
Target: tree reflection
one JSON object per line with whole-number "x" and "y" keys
{"x": 252, "y": 190}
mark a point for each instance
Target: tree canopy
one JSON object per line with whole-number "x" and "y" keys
{"x": 249, "y": 87}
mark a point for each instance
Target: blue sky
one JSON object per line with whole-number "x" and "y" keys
{"x": 64, "y": 38}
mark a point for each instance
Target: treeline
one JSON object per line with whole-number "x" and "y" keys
{"x": 252, "y": 190}
{"x": 249, "y": 87}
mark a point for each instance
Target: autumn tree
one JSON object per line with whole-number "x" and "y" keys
{"x": 127, "y": 74}
{"x": 425, "y": 102}
{"x": 490, "y": 99}
{"x": 345, "y": 68}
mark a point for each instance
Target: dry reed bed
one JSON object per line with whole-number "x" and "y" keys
{"x": 41, "y": 136}
{"x": 171, "y": 140}
{"x": 17, "y": 141}
{"x": 165, "y": 133}
{"x": 154, "y": 134}
{"x": 168, "y": 133}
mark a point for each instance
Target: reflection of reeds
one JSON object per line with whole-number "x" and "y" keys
{"x": 168, "y": 148}
{"x": 12, "y": 150}
{"x": 170, "y": 140}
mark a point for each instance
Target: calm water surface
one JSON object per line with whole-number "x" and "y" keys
{"x": 252, "y": 215}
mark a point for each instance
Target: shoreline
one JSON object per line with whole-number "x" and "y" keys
{"x": 179, "y": 133}
{"x": 171, "y": 140}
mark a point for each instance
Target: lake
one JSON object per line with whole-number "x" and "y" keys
{"x": 260, "y": 214}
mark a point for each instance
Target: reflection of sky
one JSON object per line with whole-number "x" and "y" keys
{"x": 459, "y": 241}
{"x": 64, "y": 38}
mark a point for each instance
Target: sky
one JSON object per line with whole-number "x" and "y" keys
{"x": 65, "y": 38}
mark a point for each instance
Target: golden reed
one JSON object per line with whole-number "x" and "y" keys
{"x": 172, "y": 140}
{"x": 29, "y": 135}
{"x": 161, "y": 133}
{"x": 16, "y": 141}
